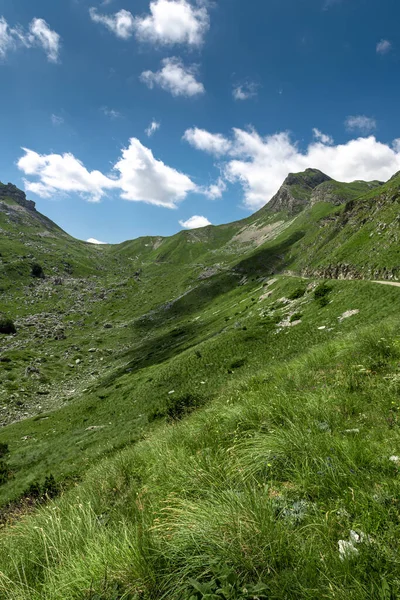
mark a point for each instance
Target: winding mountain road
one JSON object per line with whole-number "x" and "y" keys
{"x": 392, "y": 283}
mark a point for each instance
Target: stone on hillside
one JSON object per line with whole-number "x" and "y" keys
{"x": 107, "y": 326}
{"x": 347, "y": 314}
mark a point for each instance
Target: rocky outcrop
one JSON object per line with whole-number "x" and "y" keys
{"x": 345, "y": 271}
{"x": 296, "y": 191}
{"x": 11, "y": 191}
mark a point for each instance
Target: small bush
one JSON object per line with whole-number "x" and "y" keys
{"x": 321, "y": 294}
{"x": 3, "y": 450}
{"x": 324, "y": 301}
{"x": 322, "y": 290}
{"x": 297, "y": 293}
{"x": 7, "y": 326}
{"x": 37, "y": 271}
{"x": 238, "y": 363}
{"x": 4, "y": 472}
{"x": 41, "y": 491}
{"x": 178, "y": 408}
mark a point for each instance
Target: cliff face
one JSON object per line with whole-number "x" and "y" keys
{"x": 11, "y": 191}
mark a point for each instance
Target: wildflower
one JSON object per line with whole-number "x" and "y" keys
{"x": 395, "y": 459}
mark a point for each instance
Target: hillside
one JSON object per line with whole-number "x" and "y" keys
{"x": 210, "y": 415}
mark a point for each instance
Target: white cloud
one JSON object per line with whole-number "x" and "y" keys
{"x": 383, "y": 47}
{"x": 56, "y": 120}
{"x": 152, "y": 128}
{"x": 62, "y": 173}
{"x": 121, "y": 23}
{"x": 360, "y": 123}
{"x": 245, "y": 91}
{"x": 137, "y": 176}
{"x": 111, "y": 113}
{"x": 49, "y": 40}
{"x": 214, "y": 143}
{"x": 169, "y": 22}
{"x": 260, "y": 164}
{"x": 215, "y": 191}
{"x": 173, "y": 22}
{"x": 175, "y": 78}
{"x": 144, "y": 178}
{"x": 7, "y": 38}
{"x": 195, "y": 222}
{"x": 39, "y": 34}
{"x": 322, "y": 137}
{"x": 97, "y": 242}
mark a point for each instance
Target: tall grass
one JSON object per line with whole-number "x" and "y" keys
{"x": 245, "y": 498}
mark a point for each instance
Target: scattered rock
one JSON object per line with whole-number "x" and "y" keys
{"x": 348, "y": 313}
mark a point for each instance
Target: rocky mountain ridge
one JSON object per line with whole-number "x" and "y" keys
{"x": 300, "y": 190}
{"x": 10, "y": 191}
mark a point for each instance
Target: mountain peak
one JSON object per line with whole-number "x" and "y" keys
{"x": 296, "y": 190}
{"x": 310, "y": 178}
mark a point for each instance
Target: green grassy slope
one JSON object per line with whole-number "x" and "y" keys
{"x": 213, "y": 402}
{"x": 250, "y": 496}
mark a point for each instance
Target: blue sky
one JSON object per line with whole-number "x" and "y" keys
{"x": 239, "y": 94}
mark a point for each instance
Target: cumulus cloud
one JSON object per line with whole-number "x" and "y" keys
{"x": 383, "y": 47}
{"x": 169, "y": 22}
{"x": 39, "y": 34}
{"x": 137, "y": 176}
{"x": 121, "y": 23}
{"x": 62, "y": 173}
{"x": 213, "y": 143}
{"x": 173, "y": 22}
{"x": 174, "y": 77}
{"x": 152, "y": 128}
{"x": 195, "y": 222}
{"x": 97, "y": 242}
{"x": 322, "y": 137}
{"x": 245, "y": 91}
{"x": 260, "y": 164}
{"x": 360, "y": 123}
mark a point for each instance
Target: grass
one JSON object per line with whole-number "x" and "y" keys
{"x": 254, "y": 490}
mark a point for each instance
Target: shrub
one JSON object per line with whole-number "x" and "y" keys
{"x": 297, "y": 293}
{"x": 3, "y": 450}
{"x": 322, "y": 290}
{"x": 37, "y": 271}
{"x": 7, "y": 326}
{"x": 177, "y": 408}
{"x": 321, "y": 294}
{"x": 4, "y": 472}
{"x": 324, "y": 301}
{"x": 238, "y": 363}
{"x": 42, "y": 491}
